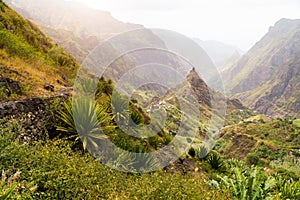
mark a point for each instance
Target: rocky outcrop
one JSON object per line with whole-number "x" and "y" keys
{"x": 233, "y": 104}
{"x": 36, "y": 115}
{"x": 284, "y": 98}
{"x": 199, "y": 88}
{"x": 10, "y": 86}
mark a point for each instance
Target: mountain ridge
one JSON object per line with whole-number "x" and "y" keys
{"x": 267, "y": 77}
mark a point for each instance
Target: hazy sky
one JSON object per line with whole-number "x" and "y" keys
{"x": 237, "y": 22}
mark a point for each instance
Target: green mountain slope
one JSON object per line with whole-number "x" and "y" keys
{"x": 29, "y": 60}
{"x": 79, "y": 47}
{"x": 58, "y": 19}
{"x": 267, "y": 78}
{"x": 271, "y": 142}
{"x": 71, "y": 16}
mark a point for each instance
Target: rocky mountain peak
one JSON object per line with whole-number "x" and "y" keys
{"x": 282, "y": 27}
{"x": 199, "y": 87}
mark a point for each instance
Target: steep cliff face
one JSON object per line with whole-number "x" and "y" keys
{"x": 267, "y": 77}
{"x": 199, "y": 88}
{"x": 284, "y": 97}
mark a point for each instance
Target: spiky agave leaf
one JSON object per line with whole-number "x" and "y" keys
{"x": 87, "y": 119}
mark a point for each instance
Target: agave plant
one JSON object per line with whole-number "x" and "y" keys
{"x": 136, "y": 119}
{"x": 215, "y": 161}
{"x": 203, "y": 151}
{"x": 87, "y": 119}
{"x": 120, "y": 108}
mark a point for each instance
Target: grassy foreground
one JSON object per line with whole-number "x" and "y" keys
{"x": 52, "y": 170}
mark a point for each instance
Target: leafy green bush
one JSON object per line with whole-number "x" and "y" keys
{"x": 252, "y": 183}
{"x": 264, "y": 152}
{"x": 252, "y": 159}
{"x": 244, "y": 185}
{"x": 61, "y": 57}
{"x": 135, "y": 118}
{"x": 296, "y": 123}
{"x": 154, "y": 141}
{"x": 288, "y": 189}
{"x": 16, "y": 45}
{"x": 7, "y": 187}
{"x": 2, "y": 93}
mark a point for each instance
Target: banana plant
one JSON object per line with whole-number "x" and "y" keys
{"x": 247, "y": 185}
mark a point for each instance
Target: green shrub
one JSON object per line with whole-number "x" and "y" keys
{"x": 7, "y": 187}
{"x": 52, "y": 170}
{"x": 3, "y": 95}
{"x": 296, "y": 123}
{"x": 134, "y": 100}
{"x": 192, "y": 152}
{"x": 252, "y": 159}
{"x": 154, "y": 142}
{"x": 136, "y": 119}
{"x": 216, "y": 162}
{"x": 244, "y": 185}
{"x": 288, "y": 189}
{"x": 167, "y": 139}
{"x": 59, "y": 56}
{"x": 16, "y": 45}
{"x": 264, "y": 152}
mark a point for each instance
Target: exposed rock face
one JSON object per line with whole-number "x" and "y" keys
{"x": 199, "y": 88}
{"x": 35, "y": 115}
{"x": 10, "y": 86}
{"x": 49, "y": 88}
{"x": 235, "y": 104}
{"x": 285, "y": 95}
{"x": 267, "y": 77}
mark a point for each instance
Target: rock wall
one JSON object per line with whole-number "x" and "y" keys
{"x": 36, "y": 116}
{"x": 31, "y": 105}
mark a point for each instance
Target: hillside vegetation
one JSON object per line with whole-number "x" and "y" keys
{"x": 30, "y": 59}
{"x": 57, "y": 150}
{"x": 263, "y": 143}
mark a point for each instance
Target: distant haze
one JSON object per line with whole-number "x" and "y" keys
{"x": 236, "y": 22}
